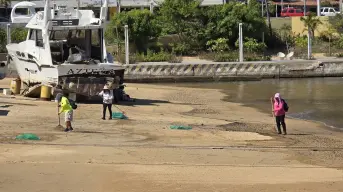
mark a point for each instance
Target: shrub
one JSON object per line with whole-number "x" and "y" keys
{"x": 121, "y": 58}
{"x": 225, "y": 57}
{"x": 257, "y": 58}
{"x": 218, "y": 45}
{"x": 339, "y": 55}
{"x": 153, "y": 57}
{"x": 175, "y": 59}
{"x": 19, "y": 34}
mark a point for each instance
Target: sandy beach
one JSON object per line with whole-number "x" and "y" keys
{"x": 230, "y": 148}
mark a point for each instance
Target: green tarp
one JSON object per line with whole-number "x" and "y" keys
{"x": 180, "y": 127}
{"x": 27, "y": 136}
{"x": 118, "y": 115}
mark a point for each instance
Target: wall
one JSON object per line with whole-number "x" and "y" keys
{"x": 299, "y": 28}
{"x": 150, "y": 72}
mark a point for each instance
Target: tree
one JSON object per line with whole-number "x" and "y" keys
{"x": 287, "y": 36}
{"x": 218, "y": 45}
{"x": 252, "y": 46}
{"x": 311, "y": 23}
{"x": 222, "y": 22}
{"x": 268, "y": 17}
{"x": 141, "y": 25}
{"x": 183, "y": 18}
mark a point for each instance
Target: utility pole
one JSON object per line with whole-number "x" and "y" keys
{"x": 318, "y": 8}
{"x": 118, "y": 6}
{"x": 309, "y": 45}
{"x": 127, "y": 44}
{"x": 241, "y": 59}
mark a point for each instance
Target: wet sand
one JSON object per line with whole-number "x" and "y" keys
{"x": 230, "y": 148}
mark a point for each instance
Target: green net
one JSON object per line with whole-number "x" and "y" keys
{"x": 180, "y": 127}
{"x": 118, "y": 115}
{"x": 27, "y": 136}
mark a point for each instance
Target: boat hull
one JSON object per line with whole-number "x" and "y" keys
{"x": 82, "y": 79}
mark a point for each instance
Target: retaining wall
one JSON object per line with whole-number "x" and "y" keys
{"x": 154, "y": 72}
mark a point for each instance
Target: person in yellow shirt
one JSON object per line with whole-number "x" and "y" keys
{"x": 67, "y": 109}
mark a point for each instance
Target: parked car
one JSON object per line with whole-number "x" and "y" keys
{"x": 292, "y": 12}
{"x": 328, "y": 11}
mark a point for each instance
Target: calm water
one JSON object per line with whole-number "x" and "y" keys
{"x": 319, "y": 99}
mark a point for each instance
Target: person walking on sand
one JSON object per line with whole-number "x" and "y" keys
{"x": 107, "y": 97}
{"x": 67, "y": 109}
{"x": 280, "y": 108}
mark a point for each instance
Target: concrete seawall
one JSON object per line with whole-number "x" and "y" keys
{"x": 168, "y": 72}
{"x": 246, "y": 71}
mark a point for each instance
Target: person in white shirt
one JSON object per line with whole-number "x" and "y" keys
{"x": 107, "y": 97}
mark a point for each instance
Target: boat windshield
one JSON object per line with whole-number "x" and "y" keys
{"x": 76, "y": 46}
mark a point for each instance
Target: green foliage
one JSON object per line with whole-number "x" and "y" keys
{"x": 339, "y": 43}
{"x": 183, "y": 27}
{"x": 3, "y": 40}
{"x": 180, "y": 48}
{"x": 225, "y": 57}
{"x": 218, "y": 45}
{"x": 141, "y": 25}
{"x": 257, "y": 58}
{"x": 311, "y": 23}
{"x": 337, "y": 22}
{"x": 182, "y": 17}
{"x": 326, "y": 3}
{"x": 286, "y": 35}
{"x": 339, "y": 55}
{"x": 161, "y": 56}
{"x": 233, "y": 57}
{"x": 223, "y": 20}
{"x": 251, "y": 45}
{"x": 151, "y": 56}
{"x": 18, "y": 34}
{"x": 301, "y": 41}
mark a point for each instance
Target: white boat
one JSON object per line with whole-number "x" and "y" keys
{"x": 64, "y": 46}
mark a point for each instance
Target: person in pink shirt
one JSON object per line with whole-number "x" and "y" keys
{"x": 280, "y": 108}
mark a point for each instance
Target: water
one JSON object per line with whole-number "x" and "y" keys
{"x": 319, "y": 99}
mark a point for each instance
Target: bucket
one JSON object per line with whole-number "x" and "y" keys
{"x": 15, "y": 86}
{"x": 45, "y": 92}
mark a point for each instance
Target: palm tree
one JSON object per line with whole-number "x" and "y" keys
{"x": 311, "y": 23}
